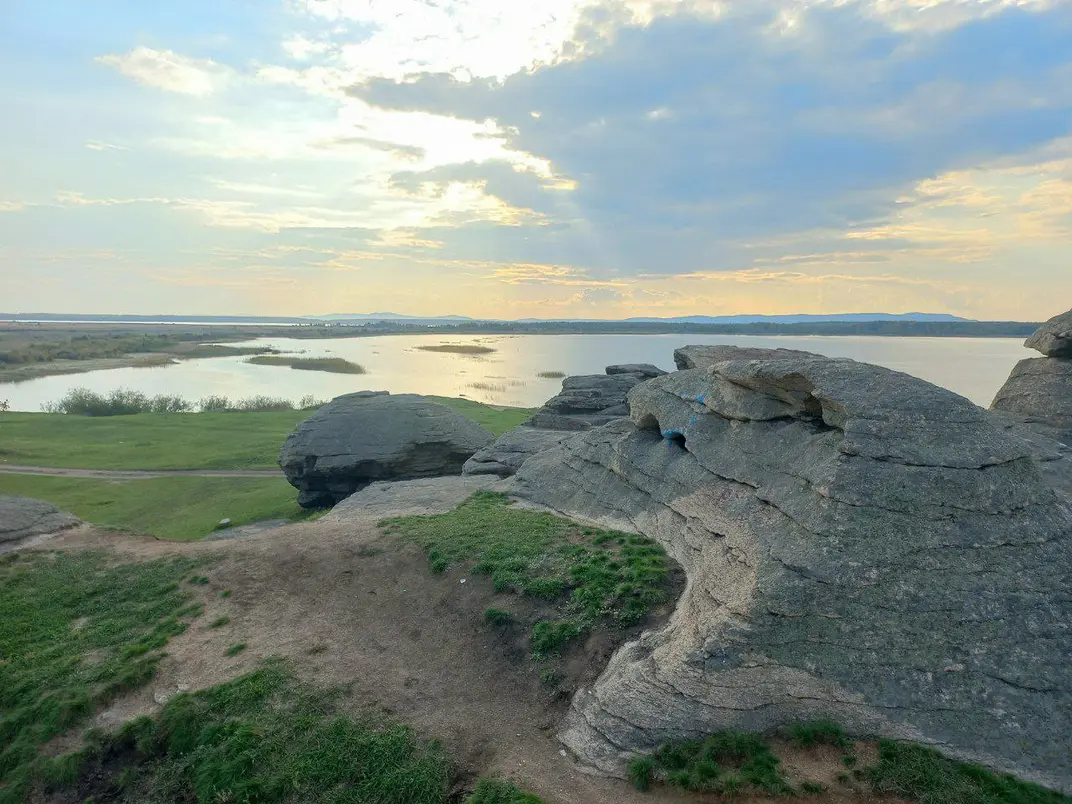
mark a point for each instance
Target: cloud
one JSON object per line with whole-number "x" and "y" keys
{"x": 94, "y": 145}
{"x": 399, "y": 150}
{"x": 170, "y": 71}
{"x": 12, "y": 206}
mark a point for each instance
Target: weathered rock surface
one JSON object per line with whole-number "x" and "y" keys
{"x": 1054, "y": 338}
{"x": 506, "y": 455}
{"x": 25, "y": 517}
{"x": 860, "y": 545}
{"x": 430, "y": 495}
{"x": 1039, "y": 390}
{"x": 690, "y": 357}
{"x": 360, "y": 438}
{"x": 643, "y": 369}
{"x": 588, "y": 400}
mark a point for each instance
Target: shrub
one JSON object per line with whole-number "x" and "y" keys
{"x": 263, "y": 404}
{"x": 496, "y": 791}
{"x": 496, "y": 617}
{"x": 169, "y": 403}
{"x": 309, "y": 402}
{"x": 5, "y": 406}
{"x": 214, "y": 404}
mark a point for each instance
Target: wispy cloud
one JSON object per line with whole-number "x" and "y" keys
{"x": 170, "y": 71}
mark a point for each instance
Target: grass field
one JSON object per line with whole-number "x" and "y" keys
{"x": 177, "y": 508}
{"x": 179, "y": 440}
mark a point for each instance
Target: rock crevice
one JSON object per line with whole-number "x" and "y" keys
{"x": 859, "y": 545}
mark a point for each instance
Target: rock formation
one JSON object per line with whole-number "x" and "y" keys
{"x": 1039, "y": 390}
{"x": 360, "y": 438}
{"x": 25, "y": 517}
{"x": 860, "y": 545}
{"x": 585, "y": 401}
{"x": 690, "y": 357}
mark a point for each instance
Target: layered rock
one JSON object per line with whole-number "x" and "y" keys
{"x": 24, "y": 517}
{"x": 588, "y": 400}
{"x": 585, "y": 401}
{"x": 1039, "y": 390}
{"x": 360, "y": 438}
{"x": 690, "y": 357}
{"x": 860, "y": 545}
{"x": 510, "y": 450}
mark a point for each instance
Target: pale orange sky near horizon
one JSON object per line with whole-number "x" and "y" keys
{"x": 566, "y": 159}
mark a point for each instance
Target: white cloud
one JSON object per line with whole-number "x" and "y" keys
{"x": 94, "y": 145}
{"x": 167, "y": 70}
{"x": 12, "y": 206}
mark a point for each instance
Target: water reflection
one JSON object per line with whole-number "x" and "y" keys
{"x": 973, "y": 367}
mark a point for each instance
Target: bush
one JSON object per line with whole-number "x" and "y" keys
{"x": 263, "y": 404}
{"x": 214, "y": 404}
{"x": 168, "y": 403}
{"x": 309, "y": 402}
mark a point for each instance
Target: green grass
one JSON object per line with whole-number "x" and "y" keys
{"x": 593, "y": 575}
{"x": 236, "y": 649}
{"x": 175, "y": 508}
{"x": 180, "y": 440}
{"x": 268, "y": 738}
{"x": 818, "y": 732}
{"x": 497, "y": 791}
{"x": 219, "y": 622}
{"x": 148, "y": 440}
{"x": 923, "y": 775}
{"x": 728, "y": 762}
{"x": 734, "y": 762}
{"x": 497, "y": 617}
{"x": 76, "y": 632}
{"x": 334, "y": 365}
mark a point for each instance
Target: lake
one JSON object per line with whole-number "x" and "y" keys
{"x": 973, "y": 367}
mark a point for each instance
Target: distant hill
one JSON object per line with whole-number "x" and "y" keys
{"x": 802, "y": 319}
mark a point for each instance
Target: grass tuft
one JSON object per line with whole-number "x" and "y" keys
{"x": 728, "y": 762}
{"x": 593, "y": 575}
{"x": 818, "y": 732}
{"x": 497, "y": 791}
{"x": 219, "y": 622}
{"x": 497, "y": 617}
{"x": 551, "y": 375}
{"x": 236, "y": 649}
{"x": 923, "y": 775}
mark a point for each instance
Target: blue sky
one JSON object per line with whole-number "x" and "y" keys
{"x": 566, "y": 158}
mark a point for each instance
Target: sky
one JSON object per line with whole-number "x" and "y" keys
{"x": 550, "y": 159}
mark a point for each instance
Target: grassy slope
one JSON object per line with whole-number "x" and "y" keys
{"x": 178, "y": 440}
{"x": 178, "y": 508}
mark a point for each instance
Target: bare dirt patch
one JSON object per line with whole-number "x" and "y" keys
{"x": 350, "y": 606}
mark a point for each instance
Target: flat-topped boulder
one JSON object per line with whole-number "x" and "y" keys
{"x": 643, "y": 369}
{"x": 1054, "y": 338}
{"x": 860, "y": 546}
{"x": 24, "y": 517}
{"x": 690, "y": 357}
{"x": 360, "y": 438}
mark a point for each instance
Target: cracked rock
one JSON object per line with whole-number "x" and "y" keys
{"x": 860, "y": 545}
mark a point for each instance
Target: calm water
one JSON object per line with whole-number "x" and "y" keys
{"x": 973, "y": 367}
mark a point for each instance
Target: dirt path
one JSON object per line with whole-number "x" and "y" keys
{"x": 106, "y": 474}
{"x": 351, "y": 606}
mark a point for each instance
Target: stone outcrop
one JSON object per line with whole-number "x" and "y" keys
{"x": 1054, "y": 338}
{"x": 360, "y": 438}
{"x": 585, "y": 401}
{"x": 588, "y": 400}
{"x": 860, "y": 545}
{"x": 643, "y": 369}
{"x": 505, "y": 456}
{"x": 690, "y": 357}
{"x": 24, "y": 517}
{"x": 1039, "y": 390}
